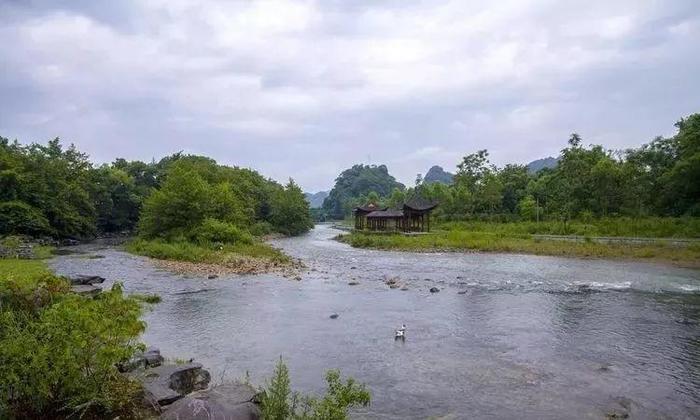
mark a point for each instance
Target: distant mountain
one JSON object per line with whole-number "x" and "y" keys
{"x": 316, "y": 199}
{"x": 360, "y": 180}
{"x": 539, "y": 164}
{"x": 437, "y": 174}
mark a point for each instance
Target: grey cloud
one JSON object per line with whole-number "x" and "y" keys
{"x": 306, "y": 89}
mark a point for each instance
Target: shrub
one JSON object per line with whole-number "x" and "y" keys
{"x": 60, "y": 361}
{"x": 261, "y": 229}
{"x": 213, "y": 230}
{"x": 280, "y": 403}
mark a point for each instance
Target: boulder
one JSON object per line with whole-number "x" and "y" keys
{"x": 434, "y": 290}
{"x": 83, "y": 280}
{"x": 149, "y": 358}
{"x": 212, "y": 276}
{"x": 166, "y": 384}
{"x": 86, "y": 290}
{"x": 334, "y": 316}
{"x": 234, "y": 401}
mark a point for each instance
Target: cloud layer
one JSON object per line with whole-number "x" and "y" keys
{"x": 305, "y": 89}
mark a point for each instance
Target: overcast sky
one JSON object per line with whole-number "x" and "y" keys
{"x": 306, "y": 89}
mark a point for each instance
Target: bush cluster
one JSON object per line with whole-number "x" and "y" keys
{"x": 58, "y": 351}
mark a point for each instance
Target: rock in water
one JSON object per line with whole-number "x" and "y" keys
{"x": 212, "y": 276}
{"x": 434, "y": 290}
{"x": 334, "y": 316}
{"x": 226, "y": 402}
{"x": 83, "y": 279}
{"x": 353, "y": 283}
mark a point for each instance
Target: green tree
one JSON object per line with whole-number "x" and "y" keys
{"x": 290, "y": 212}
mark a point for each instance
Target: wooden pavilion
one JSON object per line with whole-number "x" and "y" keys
{"x": 414, "y": 216}
{"x": 362, "y": 212}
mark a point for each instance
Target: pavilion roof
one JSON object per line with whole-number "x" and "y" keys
{"x": 368, "y": 208}
{"x": 419, "y": 203}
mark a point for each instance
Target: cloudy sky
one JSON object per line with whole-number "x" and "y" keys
{"x": 306, "y": 89}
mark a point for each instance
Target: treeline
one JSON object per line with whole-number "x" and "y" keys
{"x": 661, "y": 178}
{"x": 49, "y": 190}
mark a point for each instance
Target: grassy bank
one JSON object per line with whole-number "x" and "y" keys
{"x": 648, "y": 227}
{"x": 499, "y": 241}
{"x": 238, "y": 258}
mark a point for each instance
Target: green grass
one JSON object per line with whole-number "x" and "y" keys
{"x": 648, "y": 227}
{"x": 196, "y": 253}
{"x": 465, "y": 240}
{"x": 22, "y": 270}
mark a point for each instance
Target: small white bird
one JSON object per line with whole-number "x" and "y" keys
{"x": 401, "y": 332}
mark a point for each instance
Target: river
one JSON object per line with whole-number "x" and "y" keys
{"x": 528, "y": 337}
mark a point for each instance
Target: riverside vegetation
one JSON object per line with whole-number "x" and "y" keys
{"x": 183, "y": 207}
{"x": 652, "y": 191}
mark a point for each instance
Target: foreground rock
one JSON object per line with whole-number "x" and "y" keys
{"x": 166, "y": 384}
{"x": 234, "y": 401}
{"x": 148, "y": 359}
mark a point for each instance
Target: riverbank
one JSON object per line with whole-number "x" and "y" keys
{"x": 464, "y": 241}
{"x": 187, "y": 257}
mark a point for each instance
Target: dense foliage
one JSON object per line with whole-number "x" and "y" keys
{"x": 280, "y": 403}
{"x": 48, "y": 190}
{"x": 661, "y": 178}
{"x": 353, "y": 185}
{"x": 58, "y": 351}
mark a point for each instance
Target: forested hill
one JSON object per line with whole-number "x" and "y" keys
{"x": 49, "y": 190}
{"x": 356, "y": 183}
{"x": 539, "y": 164}
{"x": 316, "y": 199}
{"x": 437, "y": 174}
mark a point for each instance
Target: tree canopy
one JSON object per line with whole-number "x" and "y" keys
{"x": 50, "y": 190}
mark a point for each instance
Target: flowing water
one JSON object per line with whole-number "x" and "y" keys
{"x": 507, "y": 336}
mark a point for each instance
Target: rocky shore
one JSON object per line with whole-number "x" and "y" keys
{"x": 182, "y": 391}
{"x": 237, "y": 265}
